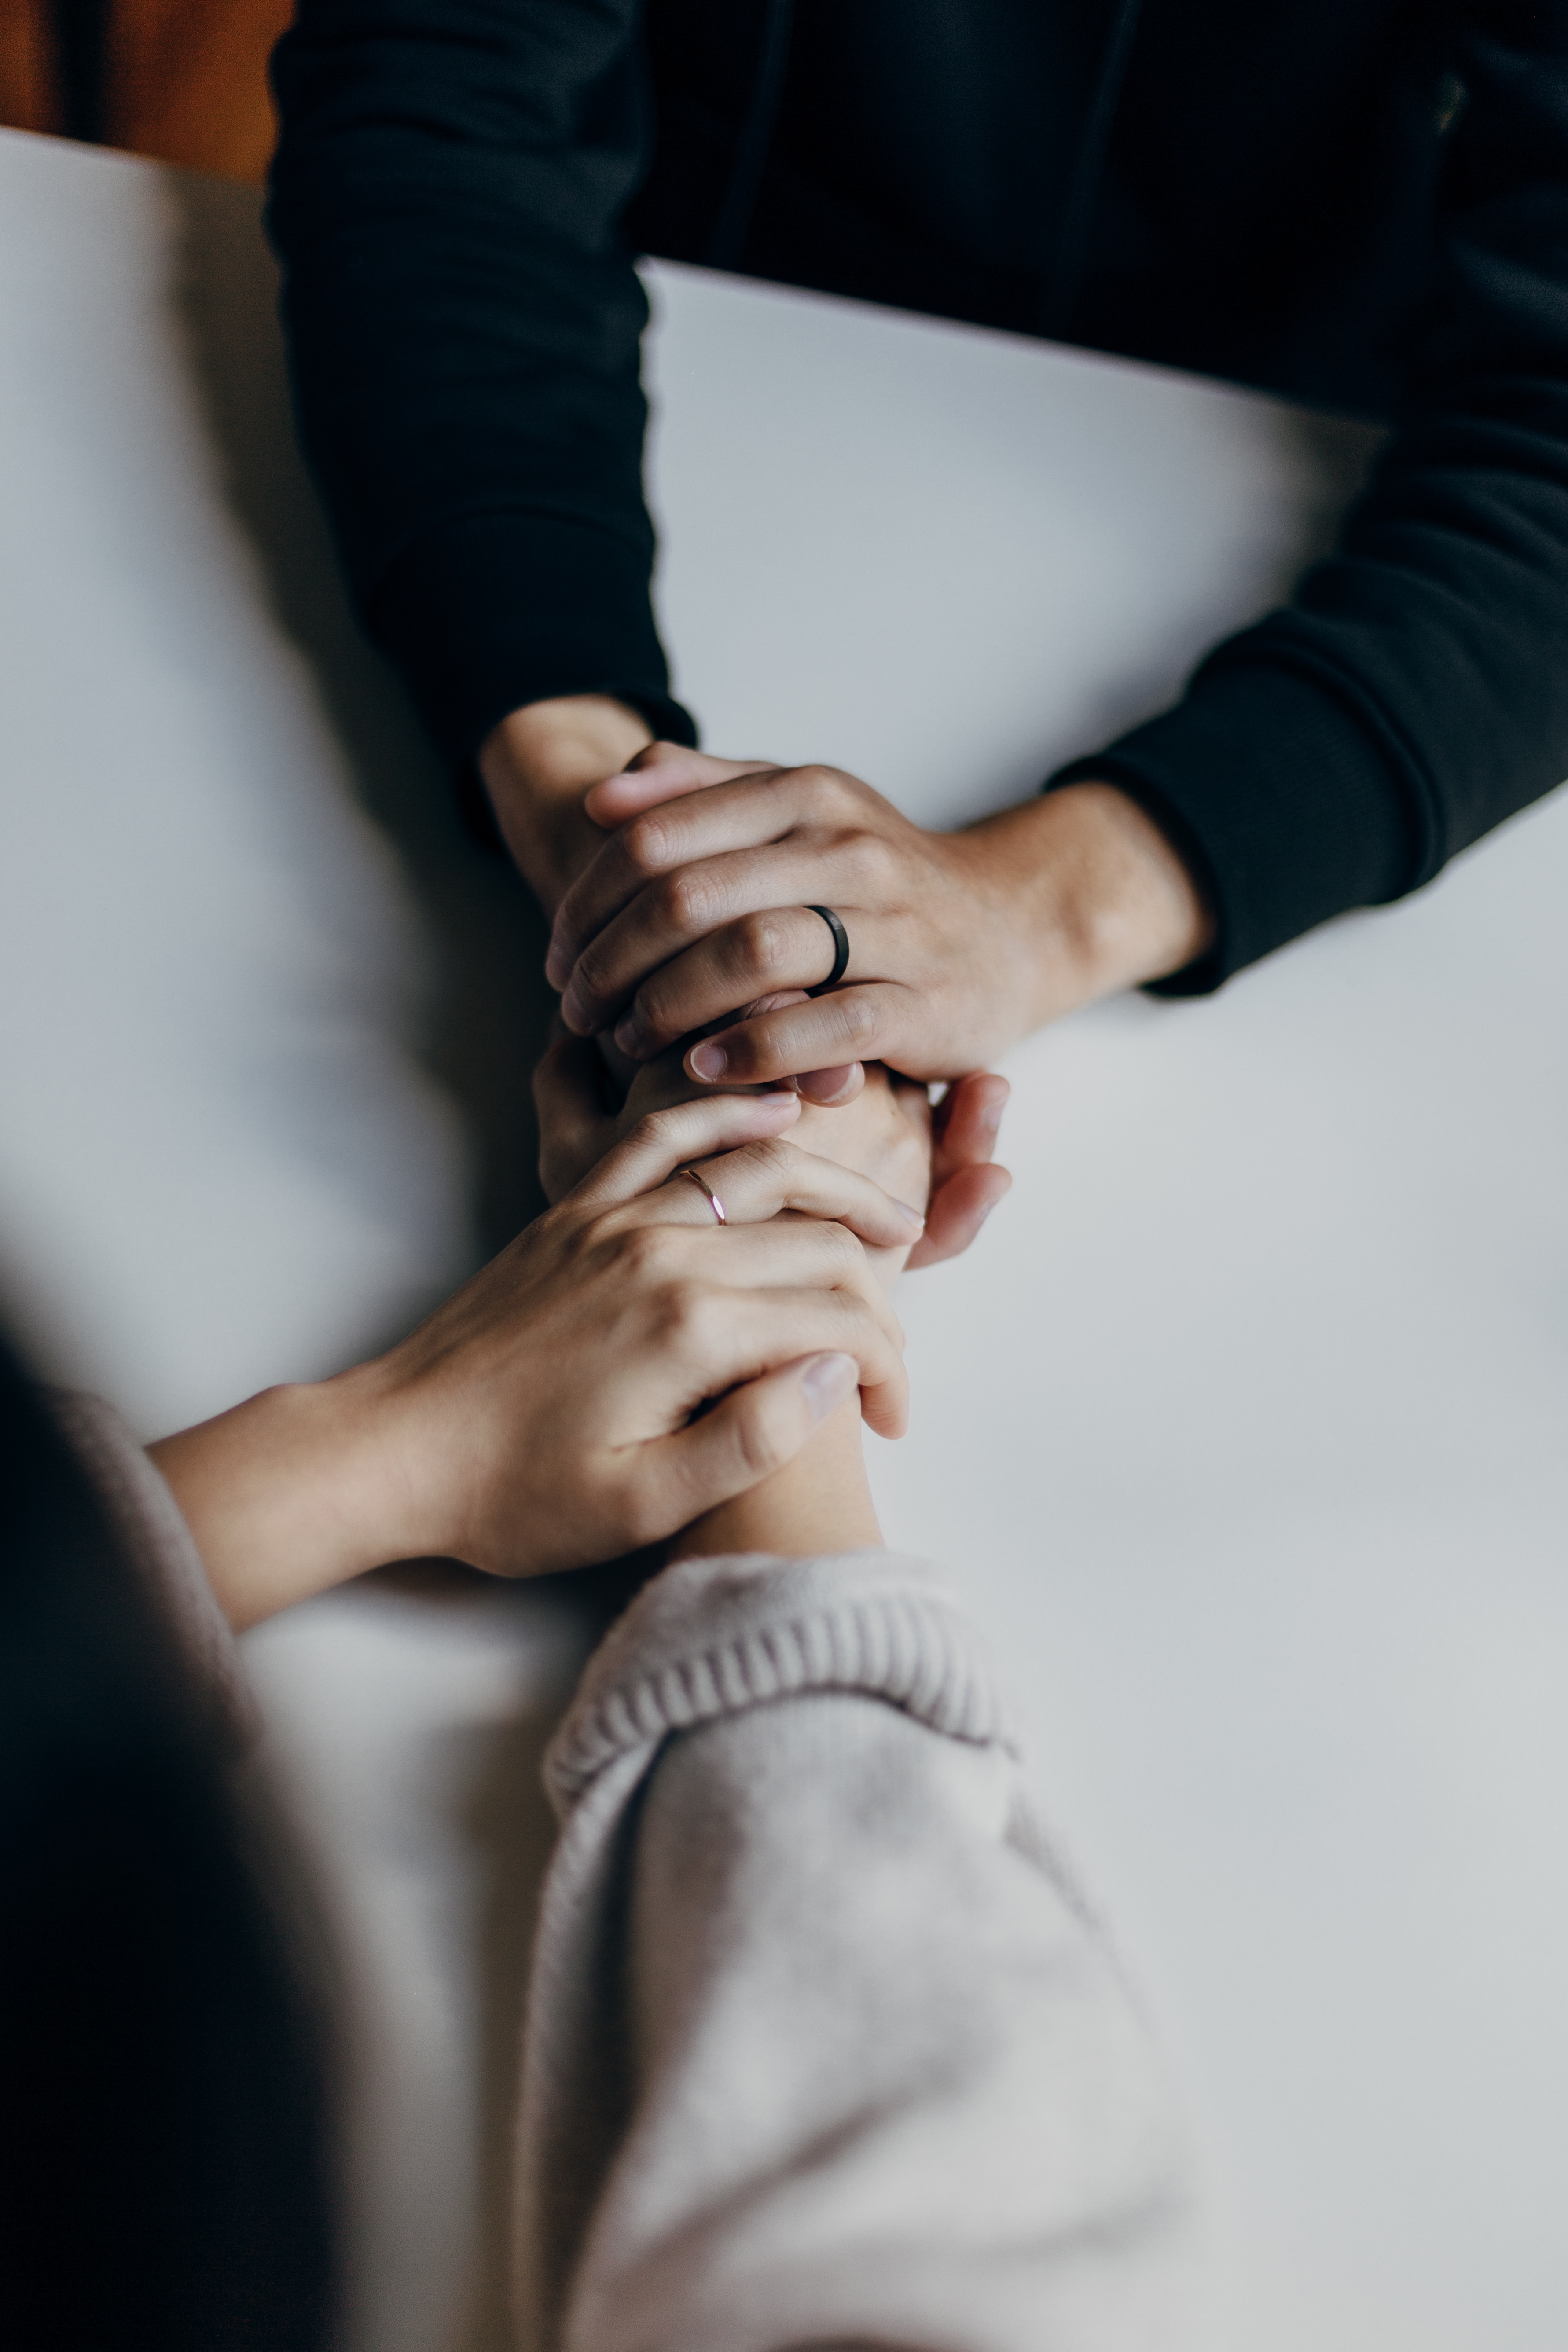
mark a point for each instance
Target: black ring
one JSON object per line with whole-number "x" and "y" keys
{"x": 840, "y": 950}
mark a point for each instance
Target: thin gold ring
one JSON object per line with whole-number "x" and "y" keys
{"x": 714, "y": 1202}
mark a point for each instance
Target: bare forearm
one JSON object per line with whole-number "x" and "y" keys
{"x": 284, "y": 1495}
{"x": 1097, "y": 894}
{"x": 960, "y": 943}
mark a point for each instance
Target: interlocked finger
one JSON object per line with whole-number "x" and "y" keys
{"x": 736, "y": 1335}
{"x": 671, "y": 913}
{"x": 791, "y": 1253}
{"x": 760, "y": 954}
{"x": 761, "y": 1180}
{"x": 760, "y": 807}
{"x": 873, "y": 1022}
{"x": 682, "y": 1133}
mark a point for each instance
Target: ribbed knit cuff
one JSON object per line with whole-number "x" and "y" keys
{"x": 712, "y": 1637}
{"x": 1279, "y": 798}
{"x": 160, "y": 1547}
{"x": 494, "y": 611}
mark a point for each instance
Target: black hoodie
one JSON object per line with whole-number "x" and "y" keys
{"x": 1360, "y": 202}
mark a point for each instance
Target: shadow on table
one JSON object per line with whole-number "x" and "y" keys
{"x": 492, "y": 1005}
{"x": 510, "y": 1826}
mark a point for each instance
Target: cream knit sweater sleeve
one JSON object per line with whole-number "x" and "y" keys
{"x": 824, "y": 2045}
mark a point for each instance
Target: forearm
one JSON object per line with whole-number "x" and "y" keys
{"x": 1097, "y": 899}
{"x": 283, "y": 1496}
{"x": 464, "y": 320}
{"x": 960, "y": 943}
{"x": 820, "y": 1502}
{"x": 536, "y": 767}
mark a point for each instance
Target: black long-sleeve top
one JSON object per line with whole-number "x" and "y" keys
{"x": 1360, "y": 202}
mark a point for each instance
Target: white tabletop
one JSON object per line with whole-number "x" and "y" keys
{"x": 1243, "y": 1425}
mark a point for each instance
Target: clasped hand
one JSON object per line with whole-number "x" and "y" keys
{"x": 620, "y": 1369}
{"x": 701, "y": 900}
{"x": 678, "y": 919}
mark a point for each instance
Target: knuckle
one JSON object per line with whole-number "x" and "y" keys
{"x": 879, "y": 1339}
{"x": 876, "y": 863}
{"x": 844, "y": 1247}
{"x": 649, "y": 1254}
{"x": 840, "y": 797}
{"x": 646, "y": 844}
{"x": 582, "y": 1236}
{"x": 657, "y": 1129}
{"x": 773, "y": 1158}
{"x": 837, "y": 1246}
{"x": 593, "y": 1259}
{"x": 758, "y": 945}
{"x": 855, "y": 1021}
{"x": 655, "y": 1010}
{"x": 687, "y": 1311}
{"x": 592, "y": 973}
{"x": 688, "y": 902}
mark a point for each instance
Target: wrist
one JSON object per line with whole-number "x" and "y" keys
{"x": 1097, "y": 896}
{"x": 285, "y": 1496}
{"x": 537, "y": 766}
{"x": 820, "y": 1502}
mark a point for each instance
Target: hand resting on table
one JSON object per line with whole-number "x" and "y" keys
{"x": 961, "y": 943}
{"x": 550, "y": 1414}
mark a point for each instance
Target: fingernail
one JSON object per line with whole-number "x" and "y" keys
{"x": 706, "y": 1061}
{"x": 574, "y": 1012}
{"x": 557, "y": 964}
{"x": 826, "y": 1381}
{"x": 916, "y": 1216}
{"x": 629, "y": 1038}
{"x": 990, "y": 1117}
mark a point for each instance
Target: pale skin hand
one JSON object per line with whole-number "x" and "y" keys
{"x": 543, "y": 1417}
{"x": 820, "y": 1501}
{"x": 1097, "y": 894}
{"x": 962, "y": 943}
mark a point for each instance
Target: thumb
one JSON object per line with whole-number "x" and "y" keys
{"x": 966, "y": 1122}
{"x": 756, "y": 1430}
{"x": 958, "y": 1207}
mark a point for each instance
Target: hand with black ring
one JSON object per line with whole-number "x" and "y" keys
{"x": 621, "y": 1367}
{"x": 705, "y": 896}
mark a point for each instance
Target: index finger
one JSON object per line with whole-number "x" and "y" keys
{"x": 746, "y": 815}
{"x": 662, "y": 771}
{"x": 666, "y": 1139}
{"x": 761, "y": 1180}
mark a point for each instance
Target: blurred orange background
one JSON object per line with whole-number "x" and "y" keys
{"x": 181, "y": 79}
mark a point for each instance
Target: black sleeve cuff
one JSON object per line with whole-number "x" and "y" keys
{"x": 493, "y": 611}
{"x": 1279, "y": 797}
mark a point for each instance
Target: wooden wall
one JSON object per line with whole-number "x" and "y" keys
{"x": 184, "y": 80}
